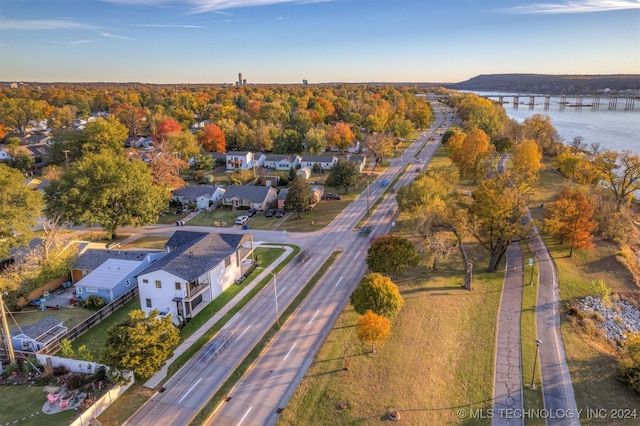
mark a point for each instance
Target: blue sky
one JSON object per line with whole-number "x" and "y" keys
{"x": 285, "y": 41}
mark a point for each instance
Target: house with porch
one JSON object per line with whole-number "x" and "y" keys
{"x": 249, "y": 197}
{"x": 239, "y": 160}
{"x": 34, "y": 337}
{"x": 197, "y": 268}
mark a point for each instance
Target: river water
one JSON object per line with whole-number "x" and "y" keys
{"x": 612, "y": 129}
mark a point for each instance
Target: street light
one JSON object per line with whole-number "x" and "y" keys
{"x": 538, "y": 343}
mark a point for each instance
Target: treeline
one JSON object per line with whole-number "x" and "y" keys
{"x": 551, "y": 84}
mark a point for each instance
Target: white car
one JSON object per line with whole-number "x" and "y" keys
{"x": 241, "y": 220}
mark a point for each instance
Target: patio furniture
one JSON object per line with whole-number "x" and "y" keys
{"x": 53, "y": 398}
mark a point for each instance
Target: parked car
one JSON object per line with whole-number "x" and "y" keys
{"x": 251, "y": 212}
{"x": 332, "y": 196}
{"x": 279, "y": 213}
{"x": 241, "y": 220}
{"x": 270, "y": 213}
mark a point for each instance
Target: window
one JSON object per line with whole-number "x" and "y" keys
{"x": 158, "y": 284}
{"x": 148, "y": 302}
{"x": 178, "y": 286}
{"x": 79, "y": 290}
{"x": 145, "y": 281}
{"x": 91, "y": 290}
{"x": 128, "y": 283}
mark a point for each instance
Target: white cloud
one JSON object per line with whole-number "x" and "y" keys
{"x": 109, "y": 35}
{"x": 576, "y": 6}
{"x": 43, "y": 24}
{"x": 201, "y": 6}
{"x": 167, "y": 26}
{"x": 82, "y": 42}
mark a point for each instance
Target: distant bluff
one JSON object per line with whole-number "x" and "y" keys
{"x": 551, "y": 84}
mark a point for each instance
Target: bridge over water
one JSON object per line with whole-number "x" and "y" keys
{"x": 594, "y": 102}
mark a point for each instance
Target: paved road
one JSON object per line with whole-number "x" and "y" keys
{"x": 557, "y": 390}
{"x": 507, "y": 388}
{"x": 259, "y": 396}
{"x": 191, "y": 387}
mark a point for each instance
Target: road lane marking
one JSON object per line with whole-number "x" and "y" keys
{"x": 194, "y": 385}
{"x": 289, "y": 353}
{"x": 356, "y": 256}
{"x": 245, "y": 416}
{"x": 280, "y": 292}
{"x": 314, "y": 316}
{"x": 242, "y": 334}
{"x": 338, "y": 282}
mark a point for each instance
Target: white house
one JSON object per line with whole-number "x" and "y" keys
{"x": 203, "y": 197}
{"x": 281, "y": 161}
{"x": 360, "y": 160}
{"x": 239, "y": 160}
{"x": 325, "y": 162}
{"x": 198, "y": 267}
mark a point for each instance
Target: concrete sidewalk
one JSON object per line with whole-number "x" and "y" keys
{"x": 157, "y": 378}
{"x": 507, "y": 380}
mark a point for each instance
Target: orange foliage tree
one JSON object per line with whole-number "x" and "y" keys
{"x": 164, "y": 128}
{"x": 570, "y": 217}
{"x": 212, "y": 138}
{"x": 340, "y": 135}
{"x": 373, "y": 328}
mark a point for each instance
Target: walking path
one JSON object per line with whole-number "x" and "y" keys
{"x": 157, "y": 378}
{"x": 507, "y": 379}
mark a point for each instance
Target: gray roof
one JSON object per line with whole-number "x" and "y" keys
{"x": 197, "y": 255}
{"x": 319, "y": 158}
{"x": 38, "y": 329}
{"x": 356, "y": 158}
{"x": 278, "y": 157}
{"x": 255, "y": 194}
{"x": 180, "y": 238}
{"x": 192, "y": 192}
{"x": 282, "y": 194}
{"x": 238, "y": 153}
{"x": 92, "y": 258}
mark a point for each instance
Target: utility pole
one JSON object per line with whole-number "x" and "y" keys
{"x": 5, "y": 327}
{"x": 66, "y": 158}
{"x": 367, "y": 195}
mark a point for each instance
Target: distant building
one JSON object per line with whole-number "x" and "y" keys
{"x": 305, "y": 82}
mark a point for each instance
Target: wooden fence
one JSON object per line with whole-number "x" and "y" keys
{"x": 90, "y": 322}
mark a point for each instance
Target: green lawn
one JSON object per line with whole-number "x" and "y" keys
{"x": 22, "y": 405}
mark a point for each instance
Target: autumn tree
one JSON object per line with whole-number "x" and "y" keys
{"x": 497, "y": 216}
{"x": 164, "y": 128}
{"x": 340, "y": 136}
{"x": 381, "y": 145}
{"x": 15, "y": 113}
{"x": 62, "y": 117}
{"x": 315, "y": 141}
{"x": 620, "y": 174}
{"x": 299, "y": 197}
{"x": 474, "y": 154}
{"x": 345, "y": 174}
{"x": 527, "y": 160}
{"x": 108, "y": 190}
{"x": 165, "y": 170}
{"x": 142, "y": 343}
{"x": 20, "y": 208}
{"x": 539, "y": 128}
{"x": 377, "y": 293}
{"x": 421, "y": 113}
{"x": 391, "y": 254}
{"x": 104, "y": 134}
{"x": 182, "y": 145}
{"x": 570, "y": 217}
{"x": 133, "y": 117}
{"x": 289, "y": 142}
{"x": 373, "y": 329}
{"x": 212, "y": 138}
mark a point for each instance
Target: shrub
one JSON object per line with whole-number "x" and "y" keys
{"x": 630, "y": 375}
{"x": 59, "y": 371}
{"x": 597, "y": 316}
{"x": 75, "y": 380}
{"x": 589, "y": 326}
{"x": 94, "y": 302}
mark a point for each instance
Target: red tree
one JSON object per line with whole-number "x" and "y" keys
{"x": 164, "y": 128}
{"x": 212, "y": 138}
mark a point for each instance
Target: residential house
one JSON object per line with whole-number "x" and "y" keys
{"x": 34, "y": 337}
{"x": 239, "y": 160}
{"x": 198, "y": 267}
{"x": 203, "y": 197}
{"x": 281, "y": 161}
{"x": 353, "y": 148}
{"x": 91, "y": 258}
{"x": 317, "y": 191}
{"x": 114, "y": 277}
{"x": 199, "y": 125}
{"x": 250, "y": 197}
{"x": 39, "y": 152}
{"x": 360, "y": 160}
{"x": 325, "y": 162}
